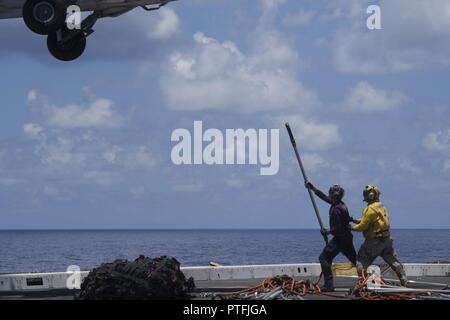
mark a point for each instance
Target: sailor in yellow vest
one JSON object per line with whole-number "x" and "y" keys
{"x": 375, "y": 225}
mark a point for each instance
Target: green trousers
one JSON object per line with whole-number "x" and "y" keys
{"x": 381, "y": 247}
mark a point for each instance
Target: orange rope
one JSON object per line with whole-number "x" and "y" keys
{"x": 303, "y": 287}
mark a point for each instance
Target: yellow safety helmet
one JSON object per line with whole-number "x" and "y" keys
{"x": 371, "y": 193}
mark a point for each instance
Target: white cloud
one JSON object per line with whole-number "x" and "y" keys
{"x": 85, "y": 155}
{"x": 414, "y": 34}
{"x": 131, "y": 157}
{"x": 166, "y": 25}
{"x": 32, "y": 130}
{"x": 272, "y": 50}
{"x": 366, "y": 98}
{"x": 95, "y": 113}
{"x": 75, "y": 152}
{"x": 32, "y": 96}
{"x": 271, "y": 4}
{"x": 142, "y": 157}
{"x": 101, "y": 177}
{"x": 313, "y": 135}
{"x": 111, "y": 154}
{"x": 299, "y": 18}
{"x": 61, "y": 152}
{"x": 57, "y": 192}
{"x": 346, "y": 10}
{"x": 313, "y": 161}
{"x": 396, "y": 167}
{"x": 98, "y": 113}
{"x": 437, "y": 141}
{"x": 36, "y": 99}
{"x": 447, "y": 165}
{"x": 235, "y": 181}
{"x": 408, "y": 166}
{"x": 217, "y": 75}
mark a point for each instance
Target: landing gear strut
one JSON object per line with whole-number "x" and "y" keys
{"x": 68, "y": 45}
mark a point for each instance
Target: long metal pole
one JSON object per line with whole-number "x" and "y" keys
{"x": 316, "y": 210}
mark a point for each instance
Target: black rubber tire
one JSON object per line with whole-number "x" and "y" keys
{"x": 68, "y": 51}
{"x": 55, "y": 23}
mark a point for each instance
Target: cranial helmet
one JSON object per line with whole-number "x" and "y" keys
{"x": 371, "y": 193}
{"x": 336, "y": 192}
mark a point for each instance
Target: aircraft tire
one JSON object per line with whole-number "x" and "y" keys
{"x": 68, "y": 51}
{"x": 44, "y": 16}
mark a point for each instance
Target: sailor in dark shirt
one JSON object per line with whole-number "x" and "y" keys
{"x": 340, "y": 228}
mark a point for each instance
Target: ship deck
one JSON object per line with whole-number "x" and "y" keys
{"x": 207, "y": 289}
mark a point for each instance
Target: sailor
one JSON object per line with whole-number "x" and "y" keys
{"x": 375, "y": 225}
{"x": 340, "y": 228}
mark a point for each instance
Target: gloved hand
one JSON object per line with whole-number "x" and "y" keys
{"x": 356, "y": 221}
{"x": 324, "y": 232}
{"x": 309, "y": 185}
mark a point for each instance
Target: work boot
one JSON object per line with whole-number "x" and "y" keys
{"x": 403, "y": 281}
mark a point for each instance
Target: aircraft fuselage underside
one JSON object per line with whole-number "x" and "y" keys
{"x": 48, "y": 17}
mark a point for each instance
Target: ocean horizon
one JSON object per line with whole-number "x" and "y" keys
{"x": 49, "y": 250}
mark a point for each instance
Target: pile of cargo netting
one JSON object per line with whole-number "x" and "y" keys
{"x": 141, "y": 279}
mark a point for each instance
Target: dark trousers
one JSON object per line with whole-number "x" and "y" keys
{"x": 337, "y": 245}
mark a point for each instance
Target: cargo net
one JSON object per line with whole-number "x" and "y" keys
{"x": 288, "y": 288}
{"x": 141, "y": 279}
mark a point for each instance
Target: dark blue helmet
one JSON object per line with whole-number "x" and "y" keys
{"x": 336, "y": 193}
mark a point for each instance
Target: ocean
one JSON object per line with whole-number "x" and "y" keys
{"x": 55, "y": 250}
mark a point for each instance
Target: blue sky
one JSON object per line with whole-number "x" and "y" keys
{"x": 86, "y": 144}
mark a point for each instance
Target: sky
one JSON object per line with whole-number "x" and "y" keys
{"x": 87, "y": 144}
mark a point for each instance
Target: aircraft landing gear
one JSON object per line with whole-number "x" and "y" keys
{"x": 66, "y": 45}
{"x": 44, "y": 16}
